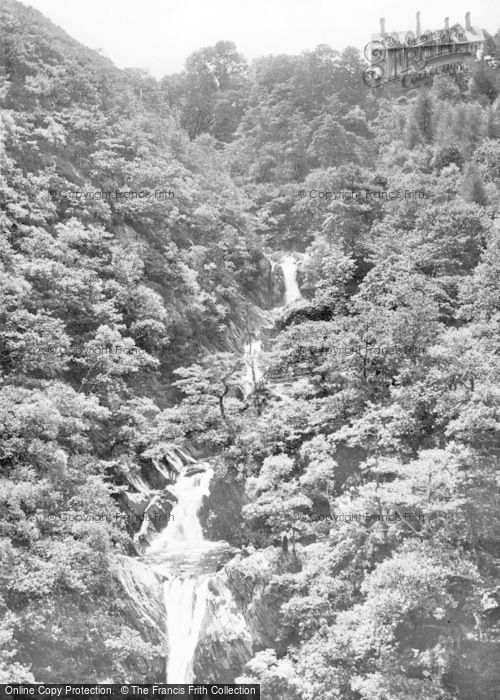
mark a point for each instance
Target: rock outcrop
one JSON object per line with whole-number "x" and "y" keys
{"x": 248, "y": 580}
{"x": 242, "y": 615}
{"x": 143, "y": 608}
{"x": 220, "y": 515}
{"x": 149, "y": 500}
{"x": 270, "y": 287}
{"x": 225, "y": 644}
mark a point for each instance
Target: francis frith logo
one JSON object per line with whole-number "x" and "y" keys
{"x": 412, "y": 58}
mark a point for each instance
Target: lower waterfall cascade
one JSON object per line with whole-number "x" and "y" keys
{"x": 185, "y": 603}
{"x": 178, "y": 549}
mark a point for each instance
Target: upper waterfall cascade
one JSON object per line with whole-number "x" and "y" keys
{"x": 289, "y": 267}
{"x": 253, "y": 349}
{"x": 253, "y": 372}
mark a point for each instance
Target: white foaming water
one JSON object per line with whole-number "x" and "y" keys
{"x": 185, "y": 596}
{"x": 289, "y": 267}
{"x": 185, "y": 603}
{"x": 184, "y": 531}
{"x": 253, "y": 374}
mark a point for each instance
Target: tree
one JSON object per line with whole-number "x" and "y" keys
{"x": 473, "y": 187}
{"x": 214, "y": 83}
{"x": 327, "y": 276}
{"x": 277, "y": 499}
{"x": 421, "y": 119}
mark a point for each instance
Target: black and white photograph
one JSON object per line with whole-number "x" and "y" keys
{"x": 250, "y": 349}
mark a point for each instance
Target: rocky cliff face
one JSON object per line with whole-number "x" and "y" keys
{"x": 242, "y": 615}
{"x": 144, "y": 608}
{"x": 149, "y": 499}
{"x": 220, "y": 515}
{"x": 226, "y": 643}
{"x": 249, "y": 581}
{"x": 270, "y": 283}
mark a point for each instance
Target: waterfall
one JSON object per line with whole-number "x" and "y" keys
{"x": 289, "y": 267}
{"x": 184, "y": 532}
{"x": 180, "y": 548}
{"x": 176, "y": 581}
{"x": 185, "y": 603}
{"x": 253, "y": 349}
{"x": 253, "y": 373}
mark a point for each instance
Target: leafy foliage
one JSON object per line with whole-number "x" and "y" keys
{"x": 372, "y": 438}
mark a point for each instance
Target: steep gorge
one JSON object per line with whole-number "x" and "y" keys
{"x": 212, "y": 604}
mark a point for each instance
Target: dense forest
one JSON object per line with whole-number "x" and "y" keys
{"x": 372, "y": 439}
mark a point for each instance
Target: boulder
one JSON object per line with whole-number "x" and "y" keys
{"x": 136, "y": 502}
